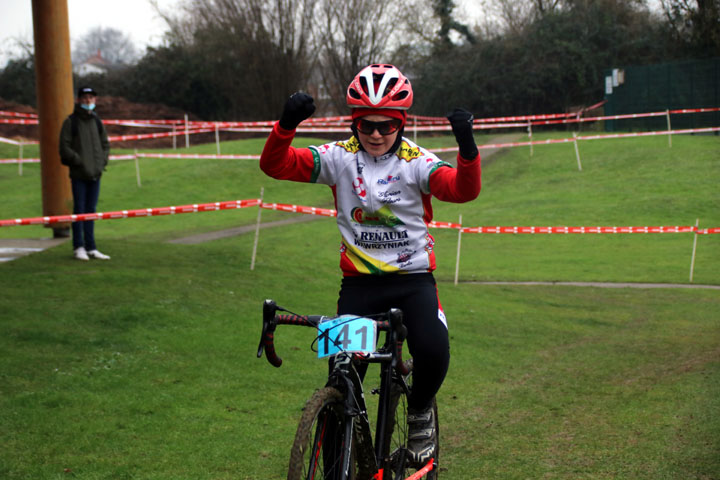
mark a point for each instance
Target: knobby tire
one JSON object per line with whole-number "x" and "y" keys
{"x": 320, "y": 448}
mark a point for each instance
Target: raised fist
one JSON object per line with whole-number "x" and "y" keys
{"x": 461, "y": 122}
{"x": 298, "y": 107}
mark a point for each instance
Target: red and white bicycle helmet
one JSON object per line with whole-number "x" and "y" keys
{"x": 380, "y": 86}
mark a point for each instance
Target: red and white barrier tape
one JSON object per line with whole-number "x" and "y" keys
{"x": 136, "y": 123}
{"x": 6, "y": 113}
{"x": 572, "y": 116}
{"x": 16, "y": 142}
{"x": 415, "y": 120}
{"x": 128, "y": 156}
{"x": 573, "y": 230}
{"x": 327, "y": 212}
{"x": 19, "y": 160}
{"x": 516, "y": 118}
{"x": 142, "y": 136}
{"x": 583, "y": 137}
{"x": 145, "y": 212}
{"x": 434, "y": 150}
{"x": 580, "y": 230}
{"x": 197, "y": 155}
{"x": 435, "y": 224}
{"x": 17, "y": 121}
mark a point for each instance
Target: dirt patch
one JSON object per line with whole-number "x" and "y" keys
{"x": 234, "y": 232}
{"x": 10, "y": 249}
{"x": 119, "y": 108}
{"x": 17, "y": 132}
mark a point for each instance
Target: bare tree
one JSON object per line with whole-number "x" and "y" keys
{"x": 114, "y": 46}
{"x": 350, "y": 34}
{"x": 274, "y": 47}
{"x": 695, "y": 22}
{"x": 513, "y": 16}
{"x": 543, "y": 6}
{"x": 16, "y": 47}
{"x": 257, "y": 49}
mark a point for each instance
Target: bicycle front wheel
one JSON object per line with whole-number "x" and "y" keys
{"x": 321, "y": 450}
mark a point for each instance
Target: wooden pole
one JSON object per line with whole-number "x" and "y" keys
{"x": 257, "y": 230}
{"x": 137, "y": 169}
{"x": 20, "y": 157}
{"x": 577, "y": 151}
{"x": 187, "y": 135}
{"x": 692, "y": 261}
{"x": 457, "y": 258}
{"x": 529, "y": 129}
{"x": 54, "y": 88}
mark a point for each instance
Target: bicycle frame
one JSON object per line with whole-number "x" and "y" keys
{"x": 345, "y": 377}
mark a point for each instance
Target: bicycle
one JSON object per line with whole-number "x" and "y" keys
{"x": 334, "y": 440}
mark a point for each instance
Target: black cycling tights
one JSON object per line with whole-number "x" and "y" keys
{"x": 416, "y": 295}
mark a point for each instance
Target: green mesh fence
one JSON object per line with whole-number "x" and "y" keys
{"x": 667, "y": 86}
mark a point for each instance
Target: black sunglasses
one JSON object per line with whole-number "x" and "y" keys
{"x": 384, "y": 128}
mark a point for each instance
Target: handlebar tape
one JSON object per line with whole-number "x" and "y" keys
{"x": 268, "y": 334}
{"x": 268, "y": 342}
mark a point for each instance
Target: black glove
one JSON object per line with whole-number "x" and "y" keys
{"x": 297, "y": 108}
{"x": 462, "y": 126}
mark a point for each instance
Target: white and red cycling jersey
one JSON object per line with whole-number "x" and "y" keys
{"x": 383, "y": 203}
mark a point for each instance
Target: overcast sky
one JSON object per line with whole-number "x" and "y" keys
{"x": 135, "y": 18}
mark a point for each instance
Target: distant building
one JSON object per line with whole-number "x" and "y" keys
{"x": 94, "y": 64}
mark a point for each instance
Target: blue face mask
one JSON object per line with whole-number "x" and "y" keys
{"x": 89, "y": 107}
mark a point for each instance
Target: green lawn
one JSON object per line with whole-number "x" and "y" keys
{"x": 144, "y": 367}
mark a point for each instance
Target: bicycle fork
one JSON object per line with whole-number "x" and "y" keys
{"x": 346, "y": 379}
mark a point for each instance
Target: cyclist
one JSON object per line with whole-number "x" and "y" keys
{"x": 382, "y": 184}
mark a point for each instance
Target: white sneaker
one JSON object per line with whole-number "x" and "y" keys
{"x": 98, "y": 255}
{"x": 81, "y": 254}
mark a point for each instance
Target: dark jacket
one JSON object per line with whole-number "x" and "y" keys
{"x": 87, "y": 150}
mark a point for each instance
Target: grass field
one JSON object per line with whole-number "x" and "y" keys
{"x": 144, "y": 367}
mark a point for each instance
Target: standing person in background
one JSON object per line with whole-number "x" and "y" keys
{"x": 383, "y": 184}
{"x": 84, "y": 147}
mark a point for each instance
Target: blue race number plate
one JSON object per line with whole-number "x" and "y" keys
{"x": 347, "y": 333}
